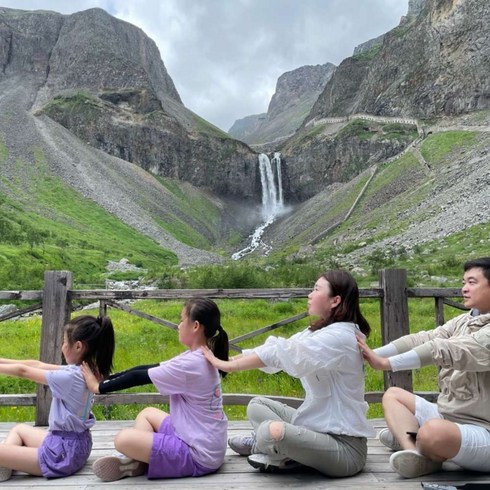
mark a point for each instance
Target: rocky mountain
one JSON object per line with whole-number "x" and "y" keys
{"x": 88, "y": 49}
{"x": 104, "y": 80}
{"x": 246, "y": 126}
{"x": 296, "y": 92}
{"x": 71, "y": 86}
{"x": 433, "y": 65}
{"x": 437, "y": 188}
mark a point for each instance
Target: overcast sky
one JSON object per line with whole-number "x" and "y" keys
{"x": 225, "y": 56}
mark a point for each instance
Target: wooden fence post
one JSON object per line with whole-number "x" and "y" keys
{"x": 394, "y": 319}
{"x": 439, "y": 311}
{"x": 56, "y": 313}
{"x": 102, "y": 308}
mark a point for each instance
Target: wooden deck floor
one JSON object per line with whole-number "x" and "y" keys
{"x": 236, "y": 473}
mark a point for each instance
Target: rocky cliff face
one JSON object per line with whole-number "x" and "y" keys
{"x": 416, "y": 6}
{"x": 296, "y": 92}
{"x": 104, "y": 80}
{"x": 123, "y": 124}
{"x": 433, "y": 64}
{"x": 316, "y": 160}
{"x": 89, "y": 49}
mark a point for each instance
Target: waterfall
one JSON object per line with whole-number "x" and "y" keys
{"x": 272, "y": 201}
{"x": 280, "y": 198}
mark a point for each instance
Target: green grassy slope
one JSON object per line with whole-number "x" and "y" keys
{"x": 68, "y": 232}
{"x": 45, "y": 224}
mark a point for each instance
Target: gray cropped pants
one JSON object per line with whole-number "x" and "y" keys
{"x": 331, "y": 454}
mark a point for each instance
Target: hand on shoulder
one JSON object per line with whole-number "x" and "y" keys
{"x": 90, "y": 379}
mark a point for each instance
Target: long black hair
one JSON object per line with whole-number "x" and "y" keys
{"x": 344, "y": 285}
{"x": 97, "y": 336}
{"x": 207, "y": 313}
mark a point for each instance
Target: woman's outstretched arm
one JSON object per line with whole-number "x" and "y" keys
{"x": 238, "y": 363}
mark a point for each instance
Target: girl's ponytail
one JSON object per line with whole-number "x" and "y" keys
{"x": 104, "y": 346}
{"x": 97, "y": 335}
{"x": 219, "y": 345}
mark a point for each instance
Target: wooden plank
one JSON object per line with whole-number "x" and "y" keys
{"x": 439, "y": 307}
{"x": 271, "y": 293}
{"x": 21, "y": 295}
{"x": 141, "y": 314}
{"x": 237, "y": 474}
{"x": 454, "y": 304}
{"x": 273, "y": 326}
{"x": 433, "y": 292}
{"x": 154, "y": 398}
{"x": 36, "y": 295}
{"x": 17, "y": 400}
{"x": 157, "y": 399}
{"x": 56, "y": 313}
{"x": 394, "y": 319}
{"x": 21, "y": 312}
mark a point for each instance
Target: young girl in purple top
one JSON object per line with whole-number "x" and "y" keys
{"x": 191, "y": 440}
{"x": 65, "y": 447}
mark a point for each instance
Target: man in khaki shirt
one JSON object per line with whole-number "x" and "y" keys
{"x": 457, "y": 427}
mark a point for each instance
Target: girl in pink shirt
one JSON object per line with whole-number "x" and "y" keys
{"x": 191, "y": 439}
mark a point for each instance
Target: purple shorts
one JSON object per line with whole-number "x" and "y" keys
{"x": 64, "y": 453}
{"x": 171, "y": 457}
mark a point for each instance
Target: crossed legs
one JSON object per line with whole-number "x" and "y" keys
{"x": 437, "y": 439}
{"x": 333, "y": 455}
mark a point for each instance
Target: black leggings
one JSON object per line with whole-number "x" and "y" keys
{"x": 135, "y": 376}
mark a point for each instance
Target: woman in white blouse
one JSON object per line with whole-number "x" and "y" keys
{"x": 328, "y": 431}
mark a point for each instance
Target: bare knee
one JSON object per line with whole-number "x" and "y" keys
{"x": 146, "y": 413}
{"x": 276, "y": 430}
{"x": 19, "y": 435}
{"x": 20, "y": 428}
{"x": 255, "y": 408}
{"x": 439, "y": 439}
{"x": 392, "y": 393}
{"x": 395, "y": 397}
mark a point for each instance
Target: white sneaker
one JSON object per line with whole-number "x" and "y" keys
{"x": 388, "y": 439}
{"x": 112, "y": 468}
{"x": 411, "y": 464}
{"x": 270, "y": 464}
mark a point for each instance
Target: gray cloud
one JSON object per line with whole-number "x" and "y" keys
{"x": 225, "y": 56}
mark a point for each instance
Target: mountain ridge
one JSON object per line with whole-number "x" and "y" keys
{"x": 99, "y": 138}
{"x": 296, "y": 92}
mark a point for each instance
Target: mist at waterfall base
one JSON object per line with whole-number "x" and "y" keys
{"x": 272, "y": 203}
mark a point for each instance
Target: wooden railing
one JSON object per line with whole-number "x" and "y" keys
{"x": 58, "y": 295}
